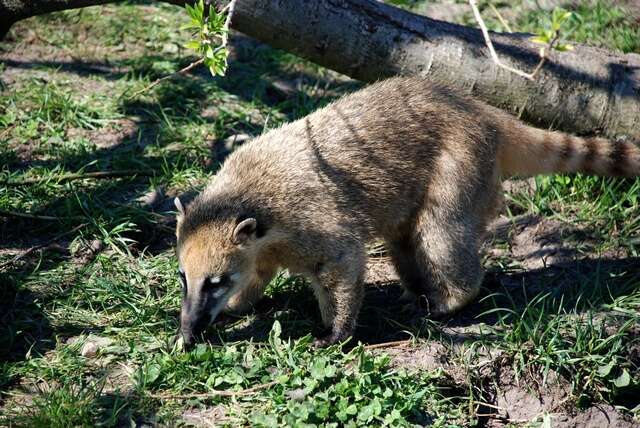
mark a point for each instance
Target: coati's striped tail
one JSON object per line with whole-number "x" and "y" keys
{"x": 526, "y": 151}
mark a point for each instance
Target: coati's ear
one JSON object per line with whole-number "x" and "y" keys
{"x": 179, "y": 207}
{"x": 180, "y": 215}
{"x": 244, "y": 231}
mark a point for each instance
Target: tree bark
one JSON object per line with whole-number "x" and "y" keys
{"x": 585, "y": 91}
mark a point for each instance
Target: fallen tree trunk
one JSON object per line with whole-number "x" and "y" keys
{"x": 585, "y": 91}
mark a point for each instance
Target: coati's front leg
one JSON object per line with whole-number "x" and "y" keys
{"x": 339, "y": 288}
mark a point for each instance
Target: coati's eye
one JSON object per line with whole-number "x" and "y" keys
{"x": 183, "y": 280}
{"x": 220, "y": 281}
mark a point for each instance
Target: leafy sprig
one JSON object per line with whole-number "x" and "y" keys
{"x": 210, "y": 35}
{"x": 550, "y": 34}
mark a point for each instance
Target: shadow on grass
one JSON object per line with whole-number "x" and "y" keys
{"x": 574, "y": 287}
{"x": 25, "y": 329}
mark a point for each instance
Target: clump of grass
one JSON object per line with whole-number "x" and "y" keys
{"x": 45, "y": 109}
{"x": 588, "y": 348}
{"x": 599, "y": 23}
{"x": 69, "y": 404}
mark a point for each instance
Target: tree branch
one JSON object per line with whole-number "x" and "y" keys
{"x": 28, "y": 216}
{"x": 494, "y": 55}
{"x": 214, "y": 393}
{"x": 82, "y": 176}
{"x": 167, "y": 77}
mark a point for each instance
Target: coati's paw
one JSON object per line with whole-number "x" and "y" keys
{"x": 418, "y": 306}
{"x": 407, "y": 297}
{"x": 330, "y": 339}
{"x": 442, "y": 305}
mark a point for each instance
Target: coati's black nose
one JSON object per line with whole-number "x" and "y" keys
{"x": 188, "y": 340}
{"x": 192, "y": 331}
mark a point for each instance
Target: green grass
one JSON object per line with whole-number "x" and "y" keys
{"x": 60, "y": 115}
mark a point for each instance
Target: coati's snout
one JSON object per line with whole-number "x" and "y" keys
{"x": 201, "y": 307}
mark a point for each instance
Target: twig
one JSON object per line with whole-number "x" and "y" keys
{"x": 504, "y": 23}
{"x": 167, "y": 77}
{"x": 37, "y": 247}
{"x": 482, "y": 403}
{"x": 225, "y": 29}
{"x": 215, "y": 393}
{"x": 494, "y": 55}
{"x": 81, "y": 176}
{"x": 543, "y": 54}
{"x": 395, "y": 344}
{"x": 35, "y": 216}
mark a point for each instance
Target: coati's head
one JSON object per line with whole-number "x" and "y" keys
{"x": 217, "y": 257}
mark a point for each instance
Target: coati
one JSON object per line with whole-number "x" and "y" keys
{"x": 405, "y": 160}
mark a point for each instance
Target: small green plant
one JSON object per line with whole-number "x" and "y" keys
{"x": 210, "y": 35}
{"x": 549, "y": 33}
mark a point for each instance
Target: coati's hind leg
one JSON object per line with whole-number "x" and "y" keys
{"x": 446, "y": 254}
{"x": 438, "y": 258}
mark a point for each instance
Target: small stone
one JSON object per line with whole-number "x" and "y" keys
{"x": 89, "y": 350}
{"x": 96, "y": 246}
{"x": 298, "y": 394}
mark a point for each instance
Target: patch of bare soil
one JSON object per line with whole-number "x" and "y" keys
{"x": 509, "y": 400}
{"x": 205, "y": 417}
{"x": 428, "y": 356}
{"x": 380, "y": 270}
{"x": 603, "y": 415}
{"x": 537, "y": 242}
{"x": 521, "y": 401}
{"x": 107, "y": 137}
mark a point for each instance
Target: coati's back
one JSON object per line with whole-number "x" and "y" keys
{"x": 370, "y": 154}
{"x": 376, "y": 150}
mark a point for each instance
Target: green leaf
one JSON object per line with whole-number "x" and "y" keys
{"x": 199, "y": 7}
{"x": 563, "y": 47}
{"x": 152, "y": 373}
{"x": 208, "y": 52}
{"x": 192, "y": 44}
{"x": 318, "y": 368}
{"x": 191, "y": 11}
{"x": 190, "y": 26}
{"x": 540, "y": 39}
{"x": 274, "y": 336}
{"x": 603, "y": 371}
{"x": 352, "y": 409}
{"x": 623, "y": 380}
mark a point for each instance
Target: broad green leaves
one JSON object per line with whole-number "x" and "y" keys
{"x": 209, "y": 37}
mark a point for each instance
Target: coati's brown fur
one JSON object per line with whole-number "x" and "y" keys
{"x": 405, "y": 160}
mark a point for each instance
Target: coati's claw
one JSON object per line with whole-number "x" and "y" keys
{"x": 330, "y": 339}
